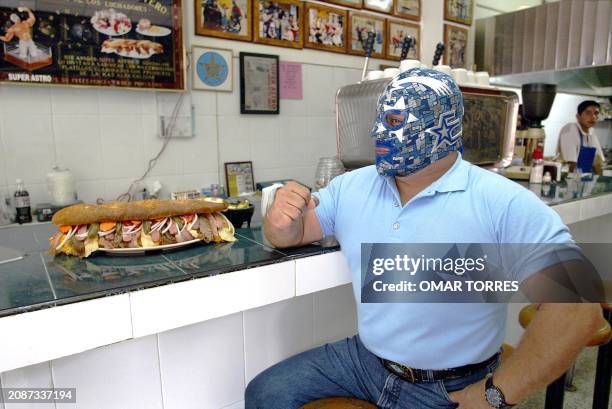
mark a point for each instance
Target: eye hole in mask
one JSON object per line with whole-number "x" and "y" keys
{"x": 395, "y": 119}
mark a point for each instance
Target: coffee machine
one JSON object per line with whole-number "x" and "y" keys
{"x": 537, "y": 101}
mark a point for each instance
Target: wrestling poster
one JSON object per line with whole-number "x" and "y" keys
{"x": 109, "y": 43}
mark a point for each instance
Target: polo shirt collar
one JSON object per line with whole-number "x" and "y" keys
{"x": 454, "y": 180}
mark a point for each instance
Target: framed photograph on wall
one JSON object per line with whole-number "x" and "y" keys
{"x": 230, "y": 19}
{"x": 239, "y": 178}
{"x": 459, "y": 11}
{"x": 397, "y": 30}
{"x": 359, "y": 26}
{"x": 259, "y": 90}
{"x": 356, "y": 4}
{"x": 382, "y": 6}
{"x": 278, "y": 23}
{"x": 410, "y": 9}
{"x": 455, "y": 39}
{"x": 325, "y": 27}
{"x": 212, "y": 69}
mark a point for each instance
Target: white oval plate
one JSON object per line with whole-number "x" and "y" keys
{"x": 141, "y": 250}
{"x": 159, "y": 31}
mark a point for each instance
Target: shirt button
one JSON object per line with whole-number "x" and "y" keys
{"x": 396, "y": 226}
{"x": 395, "y": 204}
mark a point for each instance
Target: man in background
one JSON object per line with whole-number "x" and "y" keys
{"x": 577, "y": 138}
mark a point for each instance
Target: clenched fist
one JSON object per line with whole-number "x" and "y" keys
{"x": 285, "y": 224}
{"x": 289, "y": 205}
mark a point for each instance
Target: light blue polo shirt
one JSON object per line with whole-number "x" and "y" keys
{"x": 466, "y": 205}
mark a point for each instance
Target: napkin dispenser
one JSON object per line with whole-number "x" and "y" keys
{"x": 489, "y": 124}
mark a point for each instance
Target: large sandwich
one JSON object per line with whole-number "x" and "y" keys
{"x": 146, "y": 224}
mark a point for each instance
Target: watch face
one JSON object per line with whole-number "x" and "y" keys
{"x": 494, "y": 398}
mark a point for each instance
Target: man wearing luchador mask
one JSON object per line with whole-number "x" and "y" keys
{"x": 421, "y": 355}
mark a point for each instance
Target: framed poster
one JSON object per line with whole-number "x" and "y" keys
{"x": 229, "y": 19}
{"x": 359, "y": 26}
{"x": 212, "y": 69}
{"x": 356, "y": 4}
{"x": 410, "y": 9}
{"x": 397, "y": 30}
{"x": 278, "y": 22}
{"x": 135, "y": 44}
{"x": 382, "y": 6}
{"x": 459, "y": 11}
{"x": 239, "y": 178}
{"x": 259, "y": 89}
{"x": 455, "y": 39}
{"x": 325, "y": 27}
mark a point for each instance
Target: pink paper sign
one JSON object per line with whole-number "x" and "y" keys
{"x": 290, "y": 80}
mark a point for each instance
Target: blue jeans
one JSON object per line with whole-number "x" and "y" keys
{"x": 346, "y": 368}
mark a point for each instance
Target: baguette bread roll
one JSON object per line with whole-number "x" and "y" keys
{"x": 139, "y": 210}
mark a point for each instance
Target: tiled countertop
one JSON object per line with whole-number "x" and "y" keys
{"x": 39, "y": 281}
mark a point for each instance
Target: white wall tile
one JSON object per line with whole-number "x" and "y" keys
{"x": 171, "y": 160}
{"x": 148, "y": 102}
{"x": 56, "y": 332}
{"x": 75, "y": 101}
{"x": 275, "y": 332}
{"x": 214, "y": 355}
{"x": 27, "y": 139}
{"x": 201, "y": 154}
{"x": 116, "y": 187}
{"x": 79, "y": 146}
{"x": 33, "y": 376}
{"x": 118, "y": 376}
{"x": 335, "y": 314}
{"x": 319, "y": 92}
{"x": 90, "y": 191}
{"x": 121, "y": 102}
{"x": 122, "y": 146}
{"x": 204, "y": 102}
{"x": 229, "y": 102}
{"x": 237, "y": 405}
{"x": 234, "y": 139}
{"x": 26, "y": 100}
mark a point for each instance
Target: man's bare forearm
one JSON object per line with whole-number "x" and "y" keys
{"x": 550, "y": 344}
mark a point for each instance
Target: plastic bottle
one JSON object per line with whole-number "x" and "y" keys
{"x": 537, "y": 166}
{"x": 22, "y": 204}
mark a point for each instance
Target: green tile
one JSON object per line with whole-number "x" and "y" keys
{"x": 100, "y": 274}
{"x": 24, "y": 283}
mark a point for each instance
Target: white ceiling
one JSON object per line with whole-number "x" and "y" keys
{"x": 505, "y": 6}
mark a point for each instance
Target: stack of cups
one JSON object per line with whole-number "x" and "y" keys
{"x": 406, "y": 65}
{"x": 327, "y": 169}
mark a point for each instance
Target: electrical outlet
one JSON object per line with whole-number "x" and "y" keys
{"x": 184, "y": 126}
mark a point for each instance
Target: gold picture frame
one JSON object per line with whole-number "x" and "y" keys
{"x": 410, "y": 9}
{"x": 356, "y": 4}
{"x": 395, "y": 38}
{"x": 269, "y": 27}
{"x": 358, "y": 26}
{"x": 316, "y": 37}
{"x": 381, "y": 6}
{"x": 239, "y": 178}
{"x": 459, "y": 11}
{"x": 210, "y": 22}
{"x": 455, "y": 40}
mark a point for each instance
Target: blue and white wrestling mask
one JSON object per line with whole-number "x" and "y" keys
{"x": 419, "y": 121}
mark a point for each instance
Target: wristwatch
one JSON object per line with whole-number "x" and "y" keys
{"x": 495, "y": 397}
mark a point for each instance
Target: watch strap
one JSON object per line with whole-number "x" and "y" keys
{"x": 490, "y": 385}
